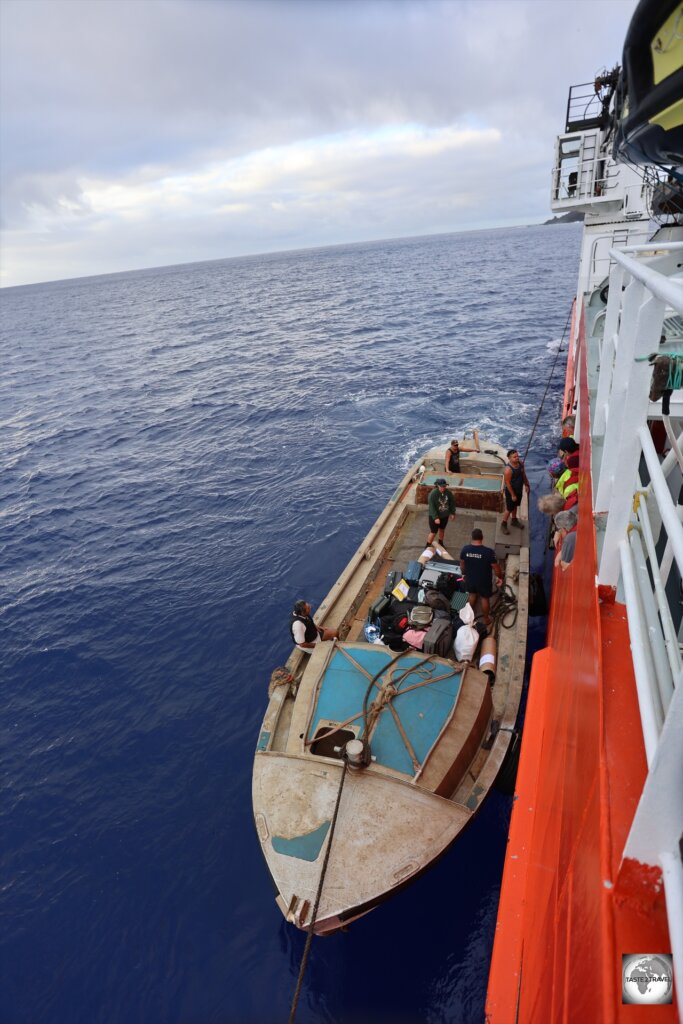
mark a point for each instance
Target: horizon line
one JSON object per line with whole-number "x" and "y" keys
{"x": 271, "y": 252}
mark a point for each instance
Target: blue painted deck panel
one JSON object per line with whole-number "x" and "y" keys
{"x": 472, "y": 483}
{"x": 306, "y": 847}
{"x": 423, "y": 712}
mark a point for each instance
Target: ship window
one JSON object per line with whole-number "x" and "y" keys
{"x": 327, "y": 744}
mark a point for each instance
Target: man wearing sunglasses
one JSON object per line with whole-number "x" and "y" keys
{"x": 452, "y": 463}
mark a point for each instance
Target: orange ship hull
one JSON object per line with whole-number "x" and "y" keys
{"x": 570, "y": 906}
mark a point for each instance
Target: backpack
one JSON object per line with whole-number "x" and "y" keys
{"x": 447, "y": 584}
{"x": 392, "y": 636}
{"x": 438, "y": 638}
{"x": 421, "y": 616}
{"x": 437, "y": 600}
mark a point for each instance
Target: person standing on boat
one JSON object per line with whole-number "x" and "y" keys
{"x": 441, "y": 508}
{"x": 476, "y": 562}
{"x": 515, "y": 481}
{"x": 305, "y": 633}
{"x": 452, "y": 463}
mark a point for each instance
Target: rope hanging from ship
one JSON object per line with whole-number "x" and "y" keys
{"x": 316, "y": 905}
{"x": 387, "y": 692}
{"x": 547, "y": 387}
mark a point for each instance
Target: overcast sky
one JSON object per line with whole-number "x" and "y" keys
{"x": 139, "y": 133}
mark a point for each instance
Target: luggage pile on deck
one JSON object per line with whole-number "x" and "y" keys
{"x": 425, "y": 608}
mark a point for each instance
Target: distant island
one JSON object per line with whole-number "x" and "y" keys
{"x": 567, "y": 218}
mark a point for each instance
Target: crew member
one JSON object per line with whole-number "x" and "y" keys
{"x": 441, "y": 508}
{"x": 476, "y": 562}
{"x": 568, "y": 482}
{"x": 515, "y": 480}
{"x": 452, "y": 463}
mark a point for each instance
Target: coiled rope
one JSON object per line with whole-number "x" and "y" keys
{"x": 504, "y": 614}
{"x": 314, "y": 915}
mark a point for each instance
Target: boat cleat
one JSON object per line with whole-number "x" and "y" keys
{"x": 297, "y": 911}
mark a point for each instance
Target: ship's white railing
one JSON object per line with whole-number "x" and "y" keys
{"x": 643, "y": 539}
{"x": 637, "y": 230}
{"x": 582, "y": 171}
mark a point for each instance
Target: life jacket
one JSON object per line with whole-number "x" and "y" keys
{"x": 311, "y": 633}
{"x": 568, "y": 482}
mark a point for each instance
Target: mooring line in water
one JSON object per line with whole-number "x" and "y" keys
{"x": 550, "y": 377}
{"x": 309, "y": 936}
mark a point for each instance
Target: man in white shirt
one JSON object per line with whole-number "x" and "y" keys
{"x": 305, "y": 633}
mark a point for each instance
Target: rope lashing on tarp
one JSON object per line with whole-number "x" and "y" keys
{"x": 316, "y": 905}
{"x": 388, "y": 692}
{"x": 547, "y": 387}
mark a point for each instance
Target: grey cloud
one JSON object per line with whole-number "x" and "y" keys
{"x": 145, "y": 88}
{"x": 99, "y": 81}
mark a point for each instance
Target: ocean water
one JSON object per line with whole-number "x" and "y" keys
{"x": 186, "y": 451}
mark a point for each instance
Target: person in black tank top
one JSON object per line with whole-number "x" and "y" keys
{"x": 453, "y": 458}
{"x": 515, "y": 480}
{"x": 452, "y": 461}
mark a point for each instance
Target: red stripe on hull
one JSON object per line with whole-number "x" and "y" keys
{"x": 569, "y": 908}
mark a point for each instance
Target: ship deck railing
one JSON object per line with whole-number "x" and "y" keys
{"x": 638, "y": 509}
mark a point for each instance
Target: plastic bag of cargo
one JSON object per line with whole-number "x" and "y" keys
{"x": 372, "y": 633}
{"x": 467, "y": 638}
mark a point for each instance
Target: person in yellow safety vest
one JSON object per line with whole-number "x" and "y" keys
{"x": 568, "y": 482}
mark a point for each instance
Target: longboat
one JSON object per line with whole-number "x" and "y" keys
{"x": 436, "y": 731}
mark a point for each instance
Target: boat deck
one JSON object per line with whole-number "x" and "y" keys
{"x": 411, "y": 543}
{"x": 409, "y": 546}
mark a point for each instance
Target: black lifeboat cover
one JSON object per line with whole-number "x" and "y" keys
{"x": 639, "y": 99}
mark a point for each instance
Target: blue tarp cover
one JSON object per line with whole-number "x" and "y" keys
{"x": 423, "y": 712}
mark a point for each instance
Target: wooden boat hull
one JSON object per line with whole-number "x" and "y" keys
{"x": 438, "y": 735}
{"x": 387, "y": 833}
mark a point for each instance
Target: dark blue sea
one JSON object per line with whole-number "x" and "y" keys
{"x": 186, "y": 451}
